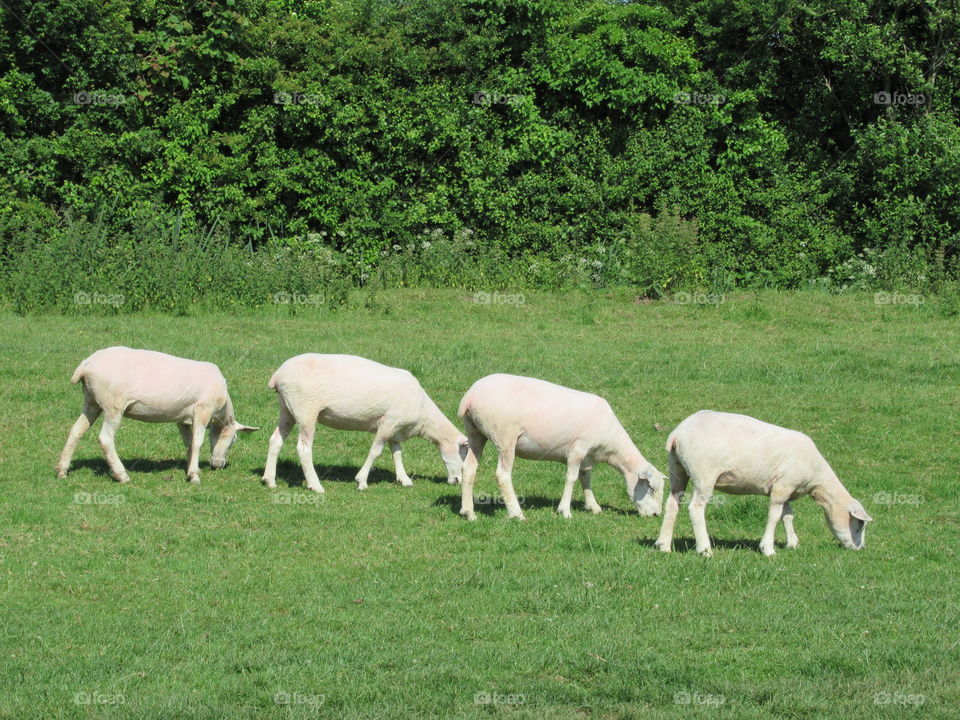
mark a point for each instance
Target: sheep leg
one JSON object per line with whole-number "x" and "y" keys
{"x": 589, "y": 501}
{"x": 108, "y": 431}
{"x": 476, "y": 443}
{"x": 678, "y": 485}
{"x": 792, "y": 540}
{"x": 91, "y": 411}
{"x": 505, "y": 481}
{"x": 375, "y": 449}
{"x": 284, "y": 424}
{"x": 402, "y": 476}
{"x": 305, "y": 452}
{"x": 698, "y": 507}
{"x": 774, "y": 514}
{"x": 196, "y": 443}
{"x": 573, "y": 472}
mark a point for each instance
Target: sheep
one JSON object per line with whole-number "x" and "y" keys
{"x": 353, "y": 393}
{"x": 537, "y": 420}
{"x": 745, "y": 456}
{"x": 153, "y": 387}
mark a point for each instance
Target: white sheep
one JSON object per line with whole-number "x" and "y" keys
{"x": 153, "y": 387}
{"x": 537, "y": 420}
{"x": 745, "y": 456}
{"x": 352, "y": 393}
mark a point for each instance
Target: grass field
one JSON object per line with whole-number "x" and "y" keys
{"x": 158, "y": 599}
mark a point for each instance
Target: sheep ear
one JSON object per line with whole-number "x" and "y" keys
{"x": 246, "y": 428}
{"x": 856, "y": 509}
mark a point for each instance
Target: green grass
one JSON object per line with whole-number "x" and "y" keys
{"x": 206, "y": 601}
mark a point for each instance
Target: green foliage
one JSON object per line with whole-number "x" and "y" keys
{"x": 541, "y": 130}
{"x": 161, "y": 267}
{"x": 661, "y": 253}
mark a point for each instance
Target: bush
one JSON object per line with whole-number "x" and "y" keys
{"x": 661, "y": 254}
{"x": 254, "y": 145}
{"x": 159, "y": 267}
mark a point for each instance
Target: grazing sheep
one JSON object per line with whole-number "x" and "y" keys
{"x": 352, "y": 393}
{"x": 538, "y": 420}
{"x": 153, "y": 387}
{"x": 744, "y": 456}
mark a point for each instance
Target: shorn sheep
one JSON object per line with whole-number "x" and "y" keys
{"x": 352, "y": 393}
{"x": 740, "y": 455}
{"x": 537, "y": 420}
{"x": 153, "y": 387}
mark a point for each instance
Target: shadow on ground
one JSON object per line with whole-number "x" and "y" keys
{"x": 527, "y": 502}
{"x": 688, "y": 544}
{"x": 291, "y": 474}
{"x": 138, "y": 465}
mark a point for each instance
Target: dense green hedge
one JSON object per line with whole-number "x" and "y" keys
{"x": 498, "y": 141}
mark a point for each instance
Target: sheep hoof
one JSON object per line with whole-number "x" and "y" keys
{"x": 269, "y": 483}
{"x": 469, "y": 515}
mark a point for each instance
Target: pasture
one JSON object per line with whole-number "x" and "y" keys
{"x": 158, "y": 599}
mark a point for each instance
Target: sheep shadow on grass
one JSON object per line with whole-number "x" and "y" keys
{"x": 527, "y": 502}
{"x": 689, "y": 544}
{"x": 290, "y": 473}
{"x": 139, "y": 465}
